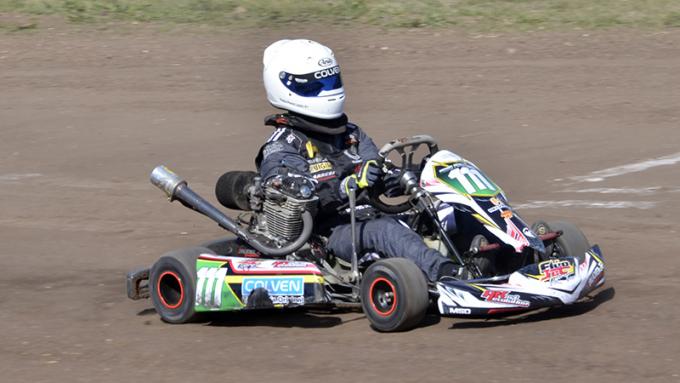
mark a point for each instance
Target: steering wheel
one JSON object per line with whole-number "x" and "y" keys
{"x": 372, "y": 195}
{"x": 406, "y": 148}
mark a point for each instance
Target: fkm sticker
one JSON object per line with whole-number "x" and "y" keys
{"x": 555, "y": 269}
{"x": 276, "y": 286}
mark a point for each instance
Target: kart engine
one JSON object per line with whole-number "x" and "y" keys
{"x": 282, "y": 213}
{"x": 277, "y": 205}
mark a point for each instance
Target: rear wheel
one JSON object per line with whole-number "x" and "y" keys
{"x": 394, "y": 295}
{"x": 572, "y": 242}
{"x": 228, "y": 245}
{"x": 172, "y": 284}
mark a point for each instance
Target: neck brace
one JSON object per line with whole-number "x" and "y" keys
{"x": 309, "y": 124}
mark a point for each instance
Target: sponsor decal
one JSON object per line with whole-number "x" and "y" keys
{"x": 326, "y": 61}
{"x": 275, "y": 286}
{"x": 506, "y": 214}
{"x": 289, "y": 264}
{"x": 288, "y": 299}
{"x": 595, "y": 276}
{"x": 327, "y": 72}
{"x": 320, "y": 166}
{"x": 246, "y": 265}
{"x": 517, "y": 235}
{"x": 209, "y": 287}
{"x": 466, "y": 179}
{"x": 323, "y": 176}
{"x": 504, "y": 296}
{"x": 271, "y": 148}
{"x": 527, "y": 232}
{"x": 555, "y": 270}
{"x": 459, "y": 311}
{"x": 260, "y": 266}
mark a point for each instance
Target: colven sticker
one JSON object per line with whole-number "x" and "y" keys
{"x": 327, "y": 72}
{"x": 276, "y": 286}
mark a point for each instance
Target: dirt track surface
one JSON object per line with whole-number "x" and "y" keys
{"x": 86, "y": 114}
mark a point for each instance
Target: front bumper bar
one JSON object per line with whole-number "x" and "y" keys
{"x": 138, "y": 283}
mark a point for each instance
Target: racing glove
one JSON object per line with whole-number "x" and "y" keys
{"x": 393, "y": 187}
{"x": 365, "y": 176}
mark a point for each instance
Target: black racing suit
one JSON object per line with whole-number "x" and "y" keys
{"x": 328, "y": 151}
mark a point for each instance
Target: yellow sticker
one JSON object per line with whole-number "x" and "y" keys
{"x": 319, "y": 167}
{"x": 311, "y": 150}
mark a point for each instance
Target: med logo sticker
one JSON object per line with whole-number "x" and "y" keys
{"x": 275, "y": 286}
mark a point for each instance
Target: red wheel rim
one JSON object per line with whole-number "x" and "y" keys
{"x": 169, "y": 279}
{"x": 383, "y": 292}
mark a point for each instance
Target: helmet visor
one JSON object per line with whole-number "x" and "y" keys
{"x": 312, "y": 84}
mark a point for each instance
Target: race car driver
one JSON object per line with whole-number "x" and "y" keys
{"x": 313, "y": 143}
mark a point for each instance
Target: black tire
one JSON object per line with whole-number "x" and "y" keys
{"x": 540, "y": 227}
{"x": 572, "y": 242}
{"x": 394, "y": 295}
{"x": 224, "y": 246}
{"x": 172, "y": 284}
{"x": 231, "y": 189}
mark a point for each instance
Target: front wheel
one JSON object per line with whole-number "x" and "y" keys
{"x": 394, "y": 295}
{"x": 572, "y": 242}
{"x": 172, "y": 283}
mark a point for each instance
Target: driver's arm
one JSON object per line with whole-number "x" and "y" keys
{"x": 366, "y": 173}
{"x": 280, "y": 157}
{"x": 367, "y": 149}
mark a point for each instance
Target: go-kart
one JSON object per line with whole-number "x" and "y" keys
{"x": 274, "y": 259}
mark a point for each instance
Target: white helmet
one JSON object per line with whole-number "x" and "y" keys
{"x": 302, "y": 76}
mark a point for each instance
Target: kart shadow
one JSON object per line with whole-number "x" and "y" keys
{"x": 575, "y": 309}
{"x": 148, "y": 311}
{"x": 432, "y": 318}
{"x": 292, "y": 317}
{"x": 289, "y": 318}
{"x": 286, "y": 318}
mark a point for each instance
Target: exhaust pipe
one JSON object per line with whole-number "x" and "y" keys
{"x": 166, "y": 180}
{"x": 177, "y": 188}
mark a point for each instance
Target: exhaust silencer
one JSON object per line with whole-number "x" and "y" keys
{"x": 166, "y": 180}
